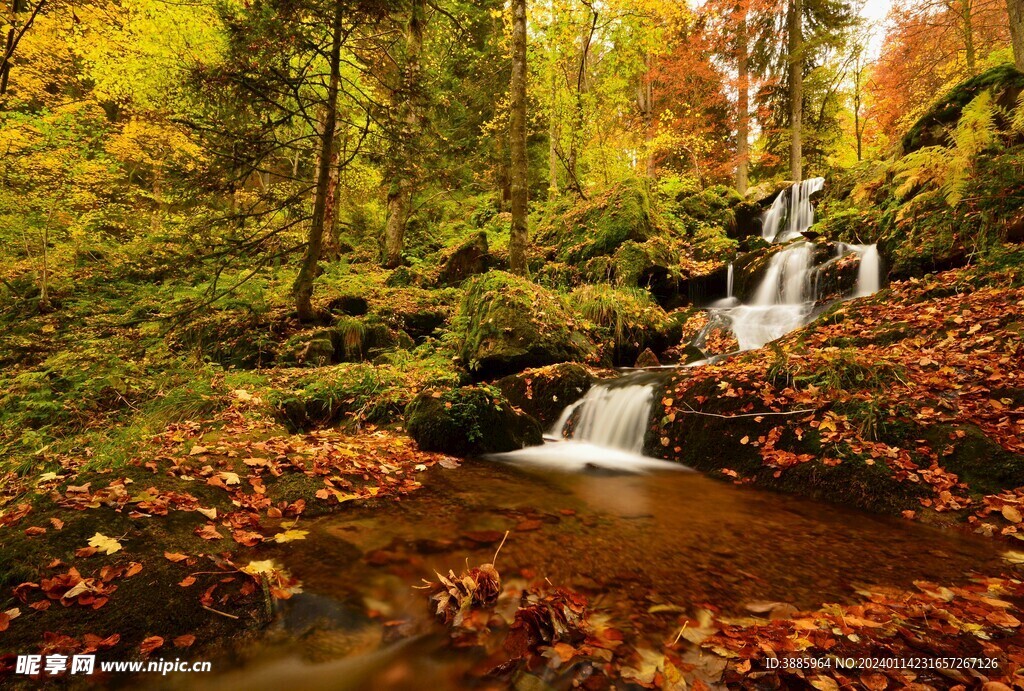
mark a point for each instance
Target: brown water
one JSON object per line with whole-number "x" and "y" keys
{"x": 672, "y": 541}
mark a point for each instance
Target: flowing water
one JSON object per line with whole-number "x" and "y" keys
{"x": 792, "y": 212}
{"x": 643, "y": 548}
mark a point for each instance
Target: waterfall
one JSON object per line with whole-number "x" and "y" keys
{"x": 869, "y": 274}
{"x": 792, "y": 212}
{"x": 606, "y": 428}
{"x": 611, "y": 415}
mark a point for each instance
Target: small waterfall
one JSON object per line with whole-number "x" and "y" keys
{"x": 792, "y": 212}
{"x": 869, "y": 274}
{"x": 611, "y": 415}
{"x": 728, "y": 282}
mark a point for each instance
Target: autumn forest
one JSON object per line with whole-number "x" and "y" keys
{"x": 526, "y": 344}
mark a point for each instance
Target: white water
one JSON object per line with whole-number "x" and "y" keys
{"x": 606, "y": 428}
{"x": 792, "y": 212}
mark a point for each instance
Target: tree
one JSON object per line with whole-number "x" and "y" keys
{"x": 795, "y": 60}
{"x": 302, "y": 289}
{"x": 517, "y": 143}
{"x": 1015, "y": 13}
{"x": 404, "y": 136}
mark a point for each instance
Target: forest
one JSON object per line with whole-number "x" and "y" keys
{"x": 526, "y": 344}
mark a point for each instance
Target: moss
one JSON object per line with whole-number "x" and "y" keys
{"x": 356, "y": 393}
{"x": 599, "y": 226}
{"x": 469, "y": 421}
{"x": 985, "y": 466}
{"x": 636, "y": 260}
{"x": 506, "y": 323}
{"x": 930, "y": 129}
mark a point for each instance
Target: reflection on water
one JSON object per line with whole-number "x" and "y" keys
{"x": 670, "y": 541}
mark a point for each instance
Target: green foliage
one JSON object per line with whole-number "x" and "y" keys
{"x": 629, "y": 315}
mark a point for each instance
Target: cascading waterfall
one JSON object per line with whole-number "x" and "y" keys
{"x": 792, "y": 212}
{"x": 606, "y": 428}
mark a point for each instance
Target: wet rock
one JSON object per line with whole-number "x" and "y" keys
{"x": 647, "y": 359}
{"x": 748, "y": 220}
{"x": 546, "y": 391}
{"x": 469, "y": 421}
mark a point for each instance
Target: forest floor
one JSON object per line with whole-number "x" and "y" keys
{"x": 183, "y": 543}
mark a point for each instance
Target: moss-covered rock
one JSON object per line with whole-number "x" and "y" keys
{"x": 469, "y": 421}
{"x": 468, "y": 259}
{"x": 314, "y": 348}
{"x": 600, "y": 225}
{"x": 636, "y": 262}
{"x": 506, "y": 323}
{"x": 629, "y": 319}
{"x": 544, "y": 392}
{"x": 933, "y": 127}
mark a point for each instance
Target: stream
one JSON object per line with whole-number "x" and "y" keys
{"x": 671, "y": 541}
{"x": 644, "y": 540}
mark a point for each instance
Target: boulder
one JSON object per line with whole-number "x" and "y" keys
{"x": 628, "y": 318}
{"x": 544, "y": 392}
{"x": 506, "y": 323}
{"x": 932, "y": 128}
{"x": 647, "y": 359}
{"x": 469, "y": 421}
{"x": 314, "y": 348}
{"x": 468, "y": 259}
{"x": 601, "y": 225}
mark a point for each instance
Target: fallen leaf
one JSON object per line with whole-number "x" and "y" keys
{"x": 291, "y": 535}
{"x": 184, "y": 641}
{"x": 150, "y": 644}
{"x": 102, "y": 543}
{"x": 175, "y": 557}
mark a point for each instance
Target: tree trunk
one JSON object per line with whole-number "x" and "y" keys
{"x": 403, "y": 185}
{"x": 302, "y": 289}
{"x": 1015, "y": 8}
{"x": 967, "y": 14}
{"x": 518, "y": 238}
{"x": 553, "y": 140}
{"x": 796, "y": 87}
{"x": 12, "y": 33}
{"x": 742, "y": 105}
{"x": 646, "y": 98}
{"x": 332, "y": 246}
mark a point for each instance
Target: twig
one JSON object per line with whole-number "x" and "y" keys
{"x": 727, "y": 417}
{"x": 223, "y": 614}
{"x": 495, "y": 558}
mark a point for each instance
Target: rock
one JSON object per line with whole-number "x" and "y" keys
{"x": 506, "y": 323}
{"x": 601, "y": 225}
{"x": 748, "y": 220}
{"x": 351, "y": 305}
{"x": 629, "y": 318}
{"x": 468, "y": 259}
{"x": 932, "y": 128}
{"x": 647, "y": 359}
{"x": 314, "y": 349}
{"x": 469, "y": 421}
{"x": 545, "y": 392}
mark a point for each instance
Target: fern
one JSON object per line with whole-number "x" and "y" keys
{"x": 948, "y": 169}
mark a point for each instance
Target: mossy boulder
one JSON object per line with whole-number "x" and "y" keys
{"x": 600, "y": 225}
{"x": 469, "y": 421}
{"x": 932, "y": 128}
{"x": 314, "y": 348}
{"x": 506, "y": 323}
{"x": 710, "y": 207}
{"x": 468, "y": 259}
{"x": 544, "y": 392}
{"x": 629, "y": 320}
{"x": 636, "y": 262}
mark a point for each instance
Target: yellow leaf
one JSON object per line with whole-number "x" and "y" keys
{"x": 291, "y": 535}
{"x": 107, "y": 545}
{"x": 255, "y": 568}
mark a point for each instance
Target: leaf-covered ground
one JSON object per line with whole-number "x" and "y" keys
{"x": 178, "y": 547}
{"x": 908, "y": 401}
